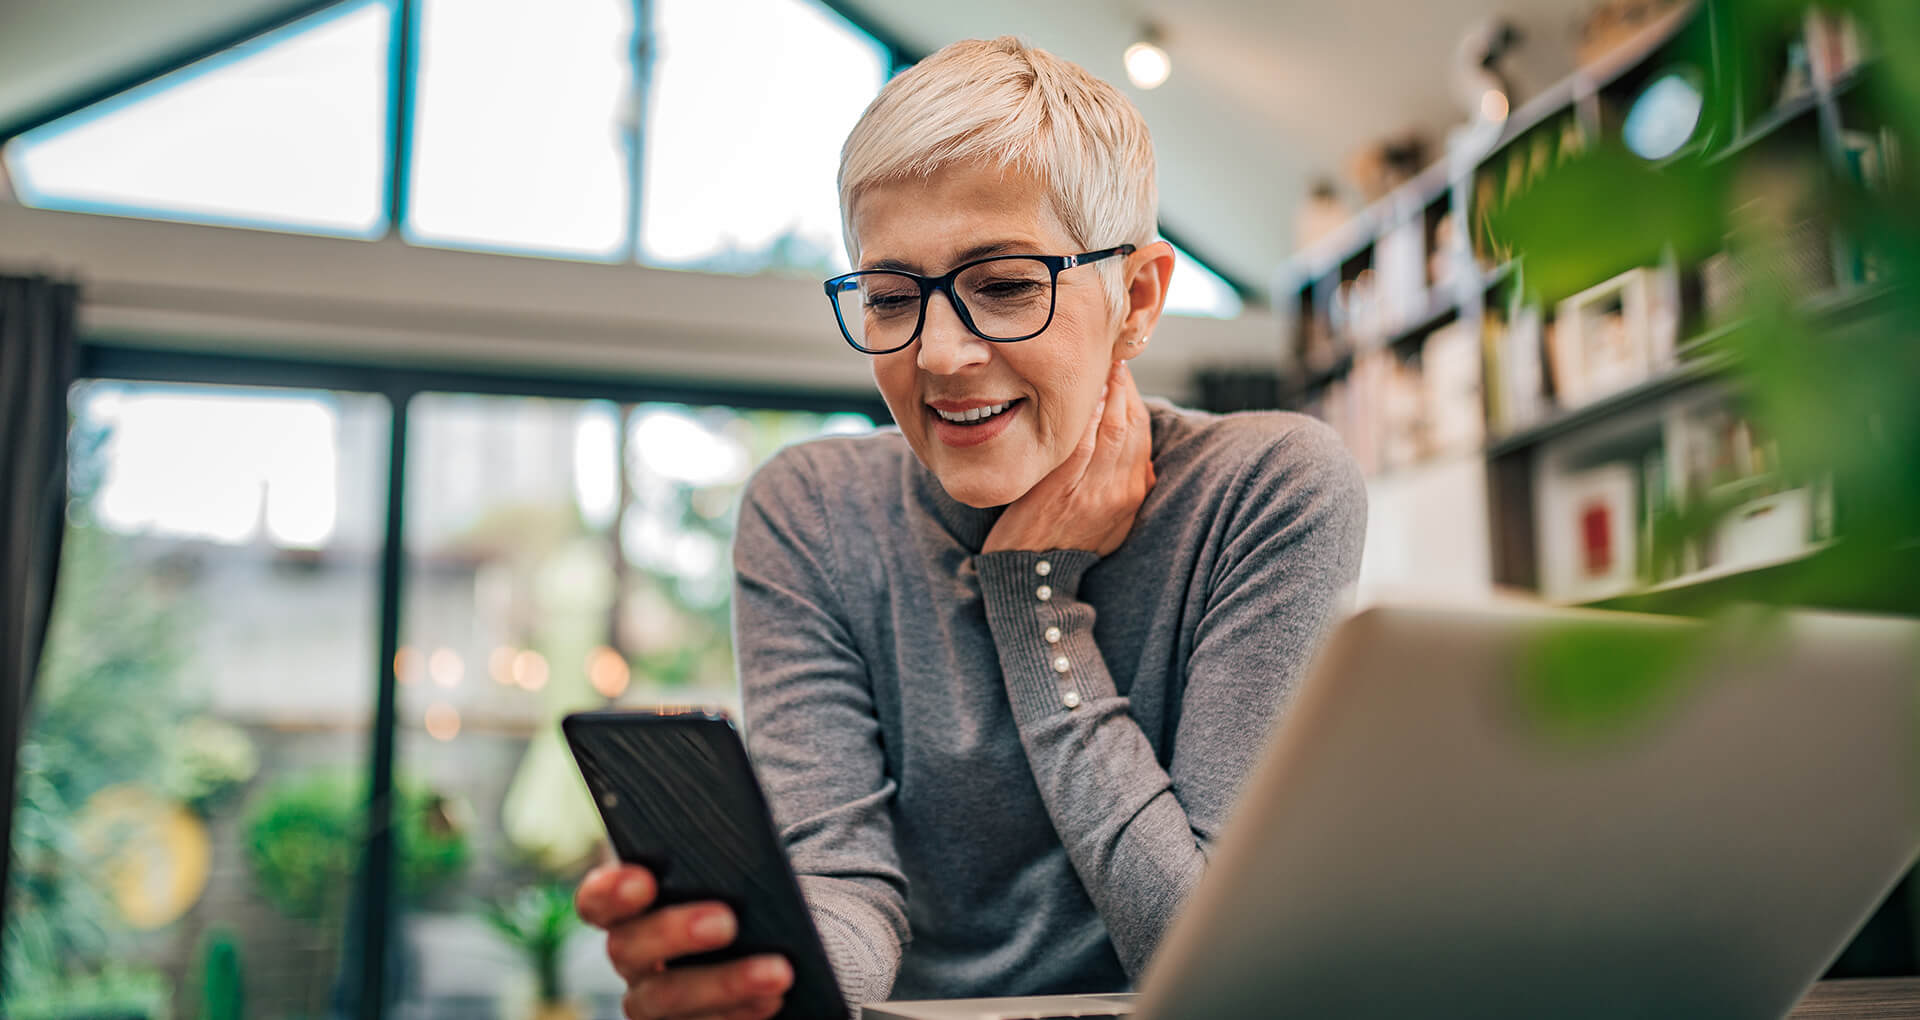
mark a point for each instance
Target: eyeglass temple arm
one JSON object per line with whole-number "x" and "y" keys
{"x": 1094, "y": 256}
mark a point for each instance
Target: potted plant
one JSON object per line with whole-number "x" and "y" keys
{"x": 536, "y": 921}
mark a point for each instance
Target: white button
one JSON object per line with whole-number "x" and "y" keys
{"x": 1060, "y": 665}
{"x": 1053, "y": 635}
{"x": 1071, "y": 699}
{"x": 1043, "y": 568}
{"x": 1043, "y": 593}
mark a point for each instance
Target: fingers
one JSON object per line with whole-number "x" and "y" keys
{"x": 613, "y": 893}
{"x": 1068, "y": 474}
{"x": 642, "y": 945}
{"x": 1119, "y": 449}
{"x": 1139, "y": 433}
{"x": 740, "y": 988}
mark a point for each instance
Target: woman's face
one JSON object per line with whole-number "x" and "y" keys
{"x": 928, "y": 225}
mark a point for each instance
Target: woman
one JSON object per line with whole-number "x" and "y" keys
{"x": 1004, "y": 668}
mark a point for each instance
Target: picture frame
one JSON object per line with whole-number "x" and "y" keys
{"x": 1603, "y": 338}
{"x": 1588, "y": 547}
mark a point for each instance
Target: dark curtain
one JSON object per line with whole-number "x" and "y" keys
{"x": 37, "y": 360}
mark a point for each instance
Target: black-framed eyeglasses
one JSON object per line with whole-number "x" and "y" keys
{"x": 1002, "y": 298}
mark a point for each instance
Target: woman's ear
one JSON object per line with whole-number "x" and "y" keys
{"x": 1146, "y": 273}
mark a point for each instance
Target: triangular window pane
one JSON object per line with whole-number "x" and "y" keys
{"x": 521, "y": 133}
{"x": 287, "y": 131}
{"x": 1199, "y": 291}
{"x": 749, "y": 103}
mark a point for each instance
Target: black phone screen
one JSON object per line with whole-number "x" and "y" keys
{"x": 678, "y": 797}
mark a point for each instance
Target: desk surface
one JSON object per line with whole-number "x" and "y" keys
{"x": 1867, "y": 999}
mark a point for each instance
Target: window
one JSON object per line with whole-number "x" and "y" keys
{"x": 1198, "y": 290}
{"x": 522, "y": 133}
{"x": 563, "y": 555}
{"x": 749, "y": 103}
{"x": 193, "y": 769}
{"x": 287, "y": 131}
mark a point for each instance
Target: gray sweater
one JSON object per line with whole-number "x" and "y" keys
{"x": 1001, "y": 774}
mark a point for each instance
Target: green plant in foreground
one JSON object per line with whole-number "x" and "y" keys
{"x": 1838, "y": 393}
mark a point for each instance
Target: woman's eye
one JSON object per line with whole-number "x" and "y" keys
{"x": 885, "y": 304}
{"x": 1004, "y": 290}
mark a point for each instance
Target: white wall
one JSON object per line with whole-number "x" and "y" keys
{"x": 1427, "y": 537}
{"x": 227, "y": 289}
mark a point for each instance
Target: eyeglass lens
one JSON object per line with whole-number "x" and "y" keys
{"x": 1006, "y": 298}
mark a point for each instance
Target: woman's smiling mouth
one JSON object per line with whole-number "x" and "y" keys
{"x": 957, "y": 424}
{"x": 973, "y": 414}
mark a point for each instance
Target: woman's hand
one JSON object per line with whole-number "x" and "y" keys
{"x": 1090, "y": 500}
{"x": 642, "y": 942}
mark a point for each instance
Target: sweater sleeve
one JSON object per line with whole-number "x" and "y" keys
{"x": 1137, "y": 833}
{"x": 812, "y": 729}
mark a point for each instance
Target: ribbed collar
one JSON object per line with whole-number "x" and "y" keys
{"x": 968, "y": 525}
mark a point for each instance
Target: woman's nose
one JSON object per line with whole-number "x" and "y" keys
{"x": 946, "y": 344}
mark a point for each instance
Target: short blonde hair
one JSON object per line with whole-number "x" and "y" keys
{"x": 1006, "y": 104}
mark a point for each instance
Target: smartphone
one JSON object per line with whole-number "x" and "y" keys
{"x": 678, "y": 796}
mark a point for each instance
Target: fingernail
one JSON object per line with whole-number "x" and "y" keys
{"x": 716, "y": 926}
{"x": 635, "y": 891}
{"x": 769, "y": 972}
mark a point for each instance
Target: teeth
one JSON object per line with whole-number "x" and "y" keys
{"x": 977, "y": 414}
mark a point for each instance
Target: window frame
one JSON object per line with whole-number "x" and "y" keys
{"x": 371, "y": 924}
{"x": 401, "y": 87}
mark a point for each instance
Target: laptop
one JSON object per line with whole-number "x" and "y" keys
{"x": 1536, "y": 813}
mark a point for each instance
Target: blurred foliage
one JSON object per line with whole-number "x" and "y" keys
{"x": 1837, "y": 394}
{"x": 1561, "y": 689}
{"x": 1606, "y": 211}
{"x": 537, "y": 920}
{"x": 105, "y": 708}
{"x": 217, "y": 758}
{"x": 222, "y": 984}
{"x": 116, "y": 992}
{"x": 305, "y": 836}
{"x": 1833, "y": 377}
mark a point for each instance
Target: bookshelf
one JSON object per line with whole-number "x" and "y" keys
{"x": 1600, "y": 416}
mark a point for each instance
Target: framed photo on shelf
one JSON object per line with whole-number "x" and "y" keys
{"x": 1603, "y": 338}
{"x": 1588, "y": 549}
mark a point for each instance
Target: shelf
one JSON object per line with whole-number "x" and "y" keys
{"x": 1440, "y": 310}
{"x": 1602, "y": 73}
{"x": 1713, "y": 586}
{"x": 1679, "y": 377}
{"x": 1842, "y": 304}
{"x": 1815, "y": 577}
{"x": 1770, "y": 123}
{"x": 1849, "y": 80}
{"x": 1698, "y": 362}
{"x": 1317, "y": 379}
{"x": 1498, "y": 275}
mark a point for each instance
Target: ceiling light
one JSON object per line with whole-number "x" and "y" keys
{"x": 1493, "y": 105}
{"x": 1147, "y": 63}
